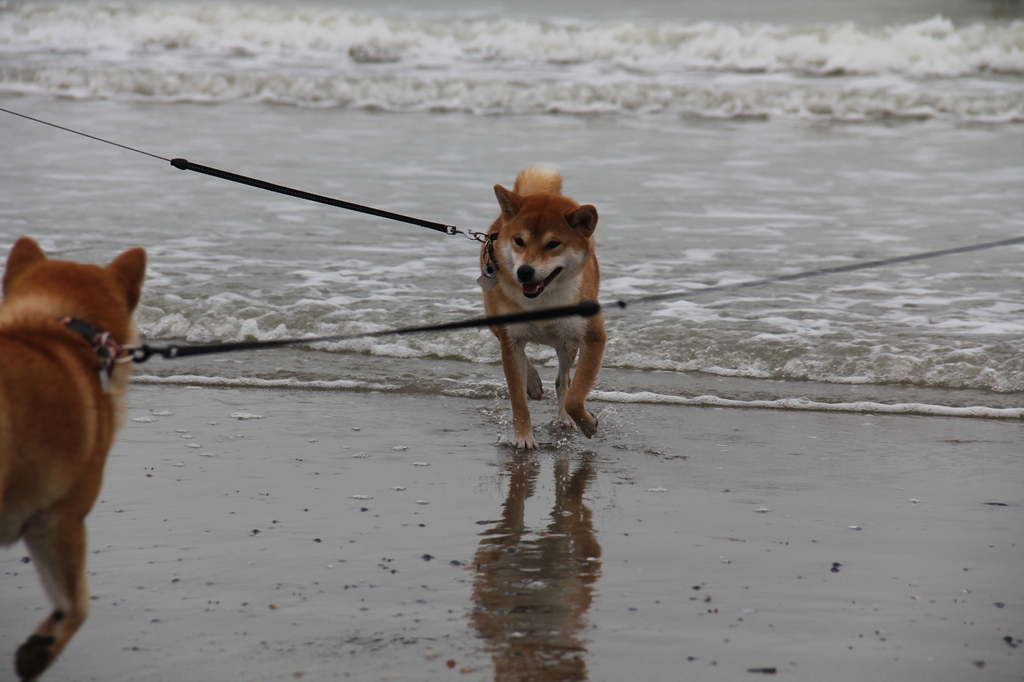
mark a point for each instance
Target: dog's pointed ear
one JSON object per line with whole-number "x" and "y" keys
{"x": 510, "y": 202}
{"x": 583, "y": 220}
{"x": 129, "y": 269}
{"x": 24, "y": 253}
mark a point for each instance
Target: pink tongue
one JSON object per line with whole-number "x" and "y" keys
{"x": 531, "y": 288}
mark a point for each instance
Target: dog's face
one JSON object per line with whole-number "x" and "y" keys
{"x": 543, "y": 243}
{"x": 105, "y": 297}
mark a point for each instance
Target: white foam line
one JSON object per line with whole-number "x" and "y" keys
{"x": 642, "y": 397}
{"x": 977, "y": 412}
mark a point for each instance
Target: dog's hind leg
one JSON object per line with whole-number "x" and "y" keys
{"x": 591, "y": 354}
{"x": 534, "y": 386}
{"x": 566, "y": 358}
{"x": 56, "y": 541}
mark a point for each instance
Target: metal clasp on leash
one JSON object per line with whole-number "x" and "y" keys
{"x": 108, "y": 350}
{"x": 489, "y": 270}
{"x": 139, "y": 354}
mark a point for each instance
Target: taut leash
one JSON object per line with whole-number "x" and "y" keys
{"x": 139, "y": 354}
{"x": 185, "y": 164}
{"x": 853, "y": 267}
{"x": 584, "y": 309}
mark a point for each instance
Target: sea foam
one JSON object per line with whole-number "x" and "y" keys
{"x": 639, "y": 397}
{"x": 322, "y": 57}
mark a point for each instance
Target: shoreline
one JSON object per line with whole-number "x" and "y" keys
{"x": 642, "y": 397}
{"x": 367, "y": 535}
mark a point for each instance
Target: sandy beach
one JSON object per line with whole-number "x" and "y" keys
{"x": 269, "y": 534}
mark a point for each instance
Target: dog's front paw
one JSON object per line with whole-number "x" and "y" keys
{"x": 33, "y": 657}
{"x": 585, "y": 422}
{"x": 526, "y": 441}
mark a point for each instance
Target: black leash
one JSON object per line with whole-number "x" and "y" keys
{"x": 184, "y": 164}
{"x": 853, "y": 267}
{"x": 139, "y": 354}
{"x": 91, "y": 137}
{"x": 584, "y": 309}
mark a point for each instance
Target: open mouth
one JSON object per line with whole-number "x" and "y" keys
{"x": 535, "y": 289}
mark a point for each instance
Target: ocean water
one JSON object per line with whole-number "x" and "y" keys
{"x": 720, "y": 142}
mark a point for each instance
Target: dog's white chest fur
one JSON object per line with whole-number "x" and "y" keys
{"x": 554, "y": 333}
{"x": 557, "y": 333}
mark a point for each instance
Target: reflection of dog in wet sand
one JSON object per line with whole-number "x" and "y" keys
{"x": 61, "y": 403}
{"x": 540, "y": 254}
{"x": 534, "y": 586}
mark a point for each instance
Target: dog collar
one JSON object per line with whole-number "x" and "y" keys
{"x": 489, "y": 269}
{"x": 107, "y": 348}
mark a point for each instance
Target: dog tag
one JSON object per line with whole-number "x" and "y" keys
{"x": 104, "y": 380}
{"x": 486, "y": 283}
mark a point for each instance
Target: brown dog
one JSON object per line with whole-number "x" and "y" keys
{"x": 60, "y": 408}
{"x": 540, "y": 254}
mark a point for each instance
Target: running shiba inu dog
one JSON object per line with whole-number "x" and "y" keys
{"x": 61, "y": 404}
{"x": 540, "y": 254}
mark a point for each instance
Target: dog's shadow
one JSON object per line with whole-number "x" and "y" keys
{"x": 534, "y": 585}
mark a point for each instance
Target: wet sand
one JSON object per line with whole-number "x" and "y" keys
{"x": 373, "y": 536}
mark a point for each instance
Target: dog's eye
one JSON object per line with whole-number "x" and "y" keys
{"x": 519, "y": 242}
{"x": 552, "y": 245}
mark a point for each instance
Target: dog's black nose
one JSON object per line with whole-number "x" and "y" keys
{"x": 525, "y": 273}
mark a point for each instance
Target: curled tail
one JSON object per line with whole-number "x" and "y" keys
{"x": 536, "y": 180}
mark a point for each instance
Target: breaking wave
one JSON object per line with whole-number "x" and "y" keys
{"x": 319, "y": 57}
